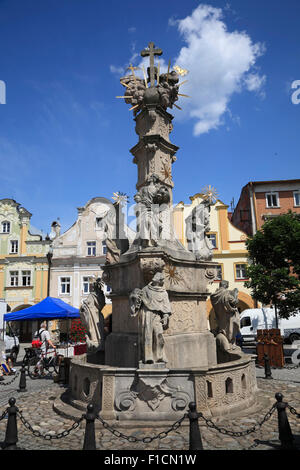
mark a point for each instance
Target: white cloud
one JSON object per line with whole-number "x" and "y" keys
{"x": 117, "y": 70}
{"x": 255, "y": 82}
{"x": 220, "y": 63}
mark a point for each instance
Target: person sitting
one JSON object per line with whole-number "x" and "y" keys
{"x": 6, "y": 366}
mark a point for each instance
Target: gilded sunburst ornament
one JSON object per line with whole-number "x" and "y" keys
{"x": 120, "y": 198}
{"x": 210, "y": 193}
{"x": 182, "y": 72}
{"x": 166, "y": 172}
{"x": 172, "y": 274}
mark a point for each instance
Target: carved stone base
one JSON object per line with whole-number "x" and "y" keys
{"x": 188, "y": 342}
{"x": 161, "y": 394}
{"x": 190, "y": 350}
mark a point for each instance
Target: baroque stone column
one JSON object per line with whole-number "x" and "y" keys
{"x": 188, "y": 342}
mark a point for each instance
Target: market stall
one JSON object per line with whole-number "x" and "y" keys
{"x": 51, "y": 309}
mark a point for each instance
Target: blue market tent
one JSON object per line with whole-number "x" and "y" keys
{"x": 48, "y": 309}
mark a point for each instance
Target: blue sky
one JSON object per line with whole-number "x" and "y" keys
{"x": 65, "y": 138}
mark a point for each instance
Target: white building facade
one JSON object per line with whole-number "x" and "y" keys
{"x": 79, "y": 254}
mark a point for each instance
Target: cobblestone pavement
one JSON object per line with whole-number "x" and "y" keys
{"x": 37, "y": 408}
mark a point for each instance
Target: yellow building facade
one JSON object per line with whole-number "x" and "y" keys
{"x": 229, "y": 249}
{"x": 24, "y": 267}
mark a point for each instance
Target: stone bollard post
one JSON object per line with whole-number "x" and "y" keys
{"x": 61, "y": 372}
{"x": 195, "y": 435}
{"x": 285, "y": 433}
{"x": 22, "y": 383}
{"x": 11, "y": 435}
{"x": 268, "y": 373}
{"x": 89, "y": 436}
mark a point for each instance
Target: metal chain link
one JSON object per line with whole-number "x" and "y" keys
{"x": 48, "y": 437}
{"x": 11, "y": 381}
{"x": 145, "y": 440}
{"x": 4, "y": 414}
{"x": 293, "y": 411}
{"x": 254, "y": 428}
{"x": 254, "y": 445}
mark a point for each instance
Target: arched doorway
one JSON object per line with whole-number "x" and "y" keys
{"x": 23, "y": 328}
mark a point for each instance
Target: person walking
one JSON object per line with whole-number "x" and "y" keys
{"x": 47, "y": 344}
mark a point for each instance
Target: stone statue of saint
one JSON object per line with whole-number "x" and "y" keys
{"x": 153, "y": 307}
{"x": 147, "y": 213}
{"x": 92, "y": 318}
{"x": 225, "y": 302}
{"x": 114, "y": 236}
{"x": 197, "y": 227}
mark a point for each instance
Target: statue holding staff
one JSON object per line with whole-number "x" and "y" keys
{"x": 92, "y": 318}
{"x": 154, "y": 309}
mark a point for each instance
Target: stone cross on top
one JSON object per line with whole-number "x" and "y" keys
{"x": 151, "y": 51}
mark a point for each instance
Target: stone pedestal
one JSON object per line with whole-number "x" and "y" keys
{"x": 188, "y": 342}
{"x": 162, "y": 395}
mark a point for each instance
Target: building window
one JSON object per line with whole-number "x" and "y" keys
{"x": 240, "y": 271}
{"x": 213, "y": 239}
{"x": 99, "y": 224}
{"x": 65, "y": 285}
{"x": 219, "y": 275}
{"x": 104, "y": 248}
{"x": 86, "y": 282}
{"x": 14, "y": 246}
{"x": 297, "y": 198}
{"x": 272, "y": 199}
{"x": 14, "y": 279}
{"x": 91, "y": 248}
{"x": 26, "y": 278}
{"x": 5, "y": 227}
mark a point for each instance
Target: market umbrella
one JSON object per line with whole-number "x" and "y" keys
{"x": 48, "y": 309}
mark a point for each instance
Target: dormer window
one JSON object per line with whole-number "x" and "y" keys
{"x": 14, "y": 246}
{"x": 99, "y": 223}
{"x": 5, "y": 226}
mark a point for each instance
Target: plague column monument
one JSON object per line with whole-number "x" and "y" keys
{"x": 160, "y": 354}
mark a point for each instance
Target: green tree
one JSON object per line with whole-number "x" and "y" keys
{"x": 274, "y": 264}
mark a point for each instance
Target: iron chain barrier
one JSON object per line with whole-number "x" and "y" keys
{"x": 4, "y": 415}
{"x": 16, "y": 375}
{"x": 145, "y": 440}
{"x": 293, "y": 411}
{"x": 47, "y": 436}
{"x": 291, "y": 367}
{"x": 251, "y": 430}
{"x": 285, "y": 434}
